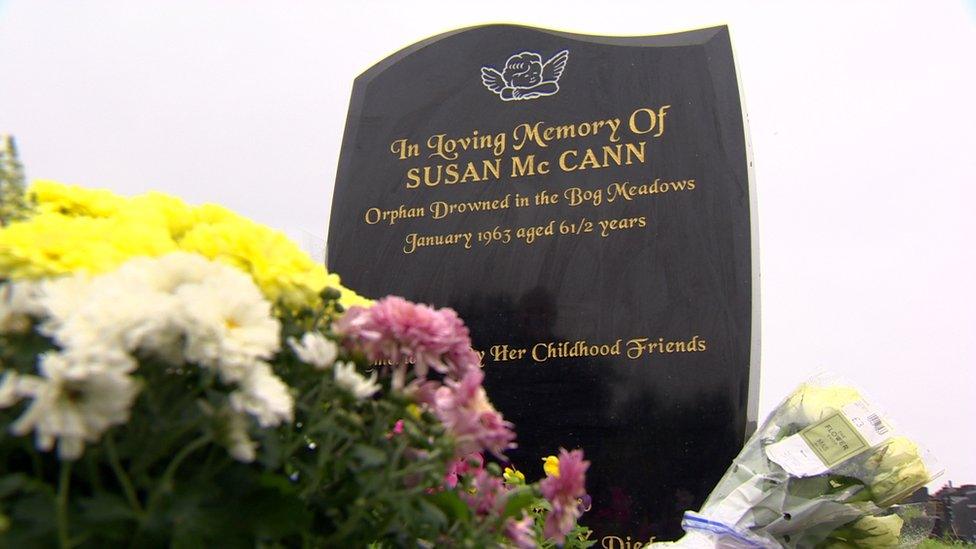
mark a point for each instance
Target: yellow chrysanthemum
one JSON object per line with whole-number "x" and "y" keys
{"x": 79, "y": 229}
{"x": 177, "y": 216}
{"x": 73, "y": 200}
{"x": 51, "y": 244}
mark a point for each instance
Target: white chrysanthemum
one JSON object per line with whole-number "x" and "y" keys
{"x": 118, "y": 309}
{"x": 235, "y": 438}
{"x": 263, "y": 395}
{"x": 18, "y": 303}
{"x": 351, "y": 380}
{"x": 63, "y": 297}
{"x": 170, "y": 272}
{"x": 315, "y": 349}
{"x": 74, "y": 402}
{"x": 151, "y": 305}
{"x": 228, "y": 324}
{"x": 10, "y": 393}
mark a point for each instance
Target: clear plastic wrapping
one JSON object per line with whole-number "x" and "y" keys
{"x": 823, "y": 471}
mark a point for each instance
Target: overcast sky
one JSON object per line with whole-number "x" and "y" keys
{"x": 862, "y": 125}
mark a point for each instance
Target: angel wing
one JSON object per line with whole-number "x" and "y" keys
{"x": 553, "y": 68}
{"x": 492, "y": 79}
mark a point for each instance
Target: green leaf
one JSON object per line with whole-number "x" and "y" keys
{"x": 10, "y": 484}
{"x": 32, "y": 522}
{"x": 105, "y": 517}
{"x": 369, "y": 456}
{"x": 432, "y": 514}
{"x": 451, "y": 504}
{"x": 518, "y": 500}
{"x": 106, "y": 508}
{"x": 277, "y": 482}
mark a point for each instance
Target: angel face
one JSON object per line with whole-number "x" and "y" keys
{"x": 523, "y": 70}
{"x": 525, "y": 76}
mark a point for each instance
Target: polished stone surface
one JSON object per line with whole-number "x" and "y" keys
{"x": 668, "y": 275}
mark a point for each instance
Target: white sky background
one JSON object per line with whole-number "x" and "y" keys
{"x": 862, "y": 125}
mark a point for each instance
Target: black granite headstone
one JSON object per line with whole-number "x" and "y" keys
{"x": 584, "y": 203}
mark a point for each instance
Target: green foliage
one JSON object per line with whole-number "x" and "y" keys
{"x": 333, "y": 477}
{"x": 346, "y": 472}
{"x": 944, "y": 544}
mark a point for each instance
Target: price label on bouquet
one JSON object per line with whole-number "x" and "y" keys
{"x": 820, "y": 447}
{"x": 584, "y": 203}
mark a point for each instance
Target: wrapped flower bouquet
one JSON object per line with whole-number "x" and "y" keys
{"x": 822, "y": 472}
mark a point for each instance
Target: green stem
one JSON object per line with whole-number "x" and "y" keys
{"x": 120, "y": 474}
{"x": 35, "y": 461}
{"x": 165, "y": 483}
{"x": 182, "y": 455}
{"x": 64, "y": 484}
{"x": 93, "y": 477}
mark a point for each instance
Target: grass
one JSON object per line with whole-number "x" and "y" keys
{"x": 940, "y": 544}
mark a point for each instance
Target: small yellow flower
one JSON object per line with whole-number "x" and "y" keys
{"x": 513, "y": 476}
{"x": 550, "y": 465}
{"x": 414, "y": 411}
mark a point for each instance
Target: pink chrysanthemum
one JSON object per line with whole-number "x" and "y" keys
{"x": 488, "y": 494}
{"x": 520, "y": 533}
{"x": 399, "y": 332}
{"x": 563, "y": 491}
{"x": 464, "y": 409}
{"x": 469, "y": 464}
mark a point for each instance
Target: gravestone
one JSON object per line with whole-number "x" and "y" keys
{"x": 584, "y": 203}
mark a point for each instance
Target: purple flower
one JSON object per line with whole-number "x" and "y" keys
{"x": 564, "y": 492}
{"x": 585, "y": 503}
{"x": 399, "y": 332}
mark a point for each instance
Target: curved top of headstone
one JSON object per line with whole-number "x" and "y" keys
{"x": 696, "y": 36}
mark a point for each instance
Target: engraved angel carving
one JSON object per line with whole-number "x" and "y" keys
{"x": 525, "y": 76}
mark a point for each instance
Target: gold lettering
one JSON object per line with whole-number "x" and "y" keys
{"x": 540, "y": 352}
{"x": 632, "y": 151}
{"x": 404, "y": 149}
{"x": 413, "y": 176}
{"x": 525, "y": 133}
{"x": 437, "y": 144}
{"x": 374, "y": 214}
{"x": 562, "y": 160}
{"x": 646, "y": 126}
{"x": 589, "y": 161}
{"x": 528, "y": 166}
{"x": 452, "y": 174}
{"x": 650, "y": 119}
{"x": 491, "y": 166}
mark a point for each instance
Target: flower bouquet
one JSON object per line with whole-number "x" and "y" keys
{"x": 177, "y": 375}
{"x": 823, "y": 471}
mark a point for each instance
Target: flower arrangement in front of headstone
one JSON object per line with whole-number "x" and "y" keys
{"x": 826, "y": 470}
{"x": 180, "y": 375}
